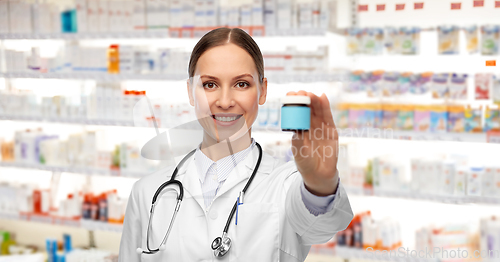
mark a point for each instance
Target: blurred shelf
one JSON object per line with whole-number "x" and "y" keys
{"x": 344, "y": 133}
{"x": 157, "y": 34}
{"x": 80, "y": 223}
{"x": 349, "y": 253}
{"x": 85, "y": 36}
{"x": 398, "y": 135}
{"x": 76, "y": 170}
{"x": 425, "y": 197}
{"x": 413, "y": 136}
{"x": 101, "y": 76}
{"x": 104, "y": 76}
{"x": 69, "y": 121}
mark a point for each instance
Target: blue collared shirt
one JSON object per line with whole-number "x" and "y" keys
{"x": 212, "y": 176}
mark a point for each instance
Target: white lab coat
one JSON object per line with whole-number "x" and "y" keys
{"x": 273, "y": 222}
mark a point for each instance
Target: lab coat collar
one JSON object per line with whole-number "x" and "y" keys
{"x": 243, "y": 170}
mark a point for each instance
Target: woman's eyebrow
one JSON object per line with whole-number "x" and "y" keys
{"x": 243, "y": 75}
{"x": 209, "y": 76}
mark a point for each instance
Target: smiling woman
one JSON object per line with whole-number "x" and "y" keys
{"x": 226, "y": 85}
{"x": 238, "y": 202}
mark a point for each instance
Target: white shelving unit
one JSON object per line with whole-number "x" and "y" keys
{"x": 159, "y": 34}
{"x": 77, "y": 170}
{"x": 349, "y": 253}
{"x": 79, "y": 223}
{"x": 84, "y": 36}
{"x": 95, "y": 122}
{"x": 361, "y": 19}
{"x": 345, "y": 133}
{"x": 424, "y": 197}
{"x": 103, "y": 76}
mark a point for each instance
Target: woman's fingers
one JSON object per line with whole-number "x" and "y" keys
{"x": 316, "y": 109}
{"x": 327, "y": 112}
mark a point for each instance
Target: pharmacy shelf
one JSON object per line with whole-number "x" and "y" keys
{"x": 79, "y": 223}
{"x": 424, "y": 197}
{"x": 147, "y": 35}
{"x": 84, "y": 36}
{"x": 100, "y": 76}
{"x": 76, "y": 170}
{"x": 350, "y": 253}
{"x": 343, "y": 133}
{"x": 95, "y": 122}
{"x": 103, "y": 76}
{"x": 413, "y": 136}
{"x": 350, "y": 133}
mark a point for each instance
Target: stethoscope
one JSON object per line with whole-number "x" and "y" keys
{"x": 220, "y": 245}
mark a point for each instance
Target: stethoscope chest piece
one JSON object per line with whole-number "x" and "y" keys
{"x": 221, "y": 246}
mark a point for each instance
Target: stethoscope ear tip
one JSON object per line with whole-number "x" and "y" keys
{"x": 163, "y": 247}
{"x": 139, "y": 250}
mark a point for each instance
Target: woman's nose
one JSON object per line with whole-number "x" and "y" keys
{"x": 225, "y": 99}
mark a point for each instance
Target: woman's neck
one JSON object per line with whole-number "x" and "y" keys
{"x": 218, "y": 150}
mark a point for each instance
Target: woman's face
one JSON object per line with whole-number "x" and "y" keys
{"x": 225, "y": 92}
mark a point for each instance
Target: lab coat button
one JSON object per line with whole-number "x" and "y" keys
{"x": 213, "y": 214}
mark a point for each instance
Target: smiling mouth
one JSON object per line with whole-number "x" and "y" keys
{"x": 226, "y": 118}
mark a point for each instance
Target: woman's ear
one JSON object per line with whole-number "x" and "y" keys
{"x": 263, "y": 94}
{"x": 190, "y": 93}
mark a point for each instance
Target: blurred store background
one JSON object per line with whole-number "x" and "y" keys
{"x": 413, "y": 85}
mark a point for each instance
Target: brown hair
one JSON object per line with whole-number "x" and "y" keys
{"x": 221, "y": 36}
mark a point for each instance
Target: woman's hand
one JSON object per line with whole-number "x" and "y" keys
{"x": 315, "y": 151}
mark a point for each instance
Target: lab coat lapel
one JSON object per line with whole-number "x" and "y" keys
{"x": 244, "y": 169}
{"x": 189, "y": 179}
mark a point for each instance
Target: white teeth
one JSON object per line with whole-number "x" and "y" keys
{"x": 226, "y": 118}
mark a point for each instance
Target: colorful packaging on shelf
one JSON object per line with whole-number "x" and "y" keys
{"x": 342, "y": 116}
{"x": 405, "y": 117}
{"x": 449, "y": 169}
{"x": 356, "y": 116}
{"x": 354, "y": 84}
{"x": 274, "y": 113}
{"x": 497, "y": 182}
{"x": 490, "y": 39}
{"x": 373, "y": 115}
{"x": 458, "y": 86}
{"x": 410, "y": 40}
{"x": 354, "y": 40}
{"x": 456, "y": 119}
{"x": 420, "y": 83}
{"x": 392, "y": 40}
{"x": 422, "y": 118}
{"x": 471, "y": 39}
{"x": 460, "y": 179}
{"x": 389, "y": 116}
{"x": 365, "y": 80}
{"x": 439, "y": 119}
{"x": 390, "y": 83}
{"x": 263, "y": 115}
{"x": 448, "y": 40}
{"x": 403, "y": 83}
{"x": 375, "y": 84}
{"x": 373, "y": 41}
{"x": 483, "y": 85}
{"x": 488, "y": 181}
{"x": 474, "y": 181}
{"x": 440, "y": 85}
{"x": 473, "y": 119}
{"x": 491, "y": 119}
{"x": 496, "y": 91}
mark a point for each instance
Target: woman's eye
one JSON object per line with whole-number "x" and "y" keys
{"x": 209, "y": 85}
{"x": 242, "y": 85}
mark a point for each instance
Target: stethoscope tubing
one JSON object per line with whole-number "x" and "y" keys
{"x": 180, "y": 196}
